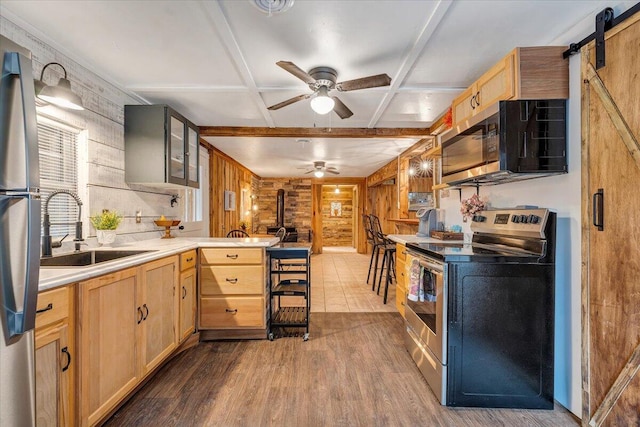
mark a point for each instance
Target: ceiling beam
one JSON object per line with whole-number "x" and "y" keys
{"x": 289, "y": 132}
{"x": 219, "y": 23}
{"x": 409, "y": 61}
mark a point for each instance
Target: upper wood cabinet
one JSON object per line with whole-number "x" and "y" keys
{"x": 525, "y": 73}
{"x": 161, "y": 147}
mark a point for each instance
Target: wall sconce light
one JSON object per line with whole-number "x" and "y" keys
{"x": 337, "y": 191}
{"x": 61, "y": 94}
{"x": 412, "y": 171}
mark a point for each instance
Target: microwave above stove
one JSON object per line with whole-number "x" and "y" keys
{"x": 508, "y": 141}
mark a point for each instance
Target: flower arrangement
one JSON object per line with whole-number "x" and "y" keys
{"x": 243, "y": 225}
{"x": 107, "y": 220}
{"x": 471, "y": 206}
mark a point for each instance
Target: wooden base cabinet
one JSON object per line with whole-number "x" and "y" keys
{"x": 232, "y": 293}
{"x": 127, "y": 327}
{"x": 187, "y": 295}
{"x": 401, "y": 277}
{"x": 55, "y": 358}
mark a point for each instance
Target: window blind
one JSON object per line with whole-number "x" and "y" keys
{"x": 58, "y": 152}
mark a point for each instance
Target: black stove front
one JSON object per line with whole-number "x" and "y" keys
{"x": 499, "y": 316}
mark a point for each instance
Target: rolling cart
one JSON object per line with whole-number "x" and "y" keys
{"x": 284, "y": 263}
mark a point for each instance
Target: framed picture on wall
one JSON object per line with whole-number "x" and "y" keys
{"x": 229, "y": 200}
{"x": 336, "y": 209}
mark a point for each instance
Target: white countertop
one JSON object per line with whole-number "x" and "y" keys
{"x": 412, "y": 238}
{"x": 51, "y": 277}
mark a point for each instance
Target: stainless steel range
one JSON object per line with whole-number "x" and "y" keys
{"x": 480, "y": 316}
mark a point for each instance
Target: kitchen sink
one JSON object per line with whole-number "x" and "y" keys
{"x": 85, "y": 258}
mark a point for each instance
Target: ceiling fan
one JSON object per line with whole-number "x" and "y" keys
{"x": 323, "y": 79}
{"x": 319, "y": 168}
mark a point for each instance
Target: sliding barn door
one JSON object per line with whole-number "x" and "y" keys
{"x": 611, "y": 229}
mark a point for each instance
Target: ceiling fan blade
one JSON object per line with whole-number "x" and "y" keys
{"x": 288, "y": 102}
{"x": 364, "y": 83}
{"x": 332, "y": 170}
{"x": 341, "y": 110}
{"x": 296, "y": 71}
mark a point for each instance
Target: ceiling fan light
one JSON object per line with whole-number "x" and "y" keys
{"x": 322, "y": 103}
{"x": 318, "y": 174}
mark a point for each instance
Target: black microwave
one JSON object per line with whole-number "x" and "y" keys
{"x": 509, "y": 141}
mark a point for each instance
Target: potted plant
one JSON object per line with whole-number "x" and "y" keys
{"x": 105, "y": 224}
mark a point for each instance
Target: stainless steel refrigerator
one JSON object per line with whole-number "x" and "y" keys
{"x": 19, "y": 235}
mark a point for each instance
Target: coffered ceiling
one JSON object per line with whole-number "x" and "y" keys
{"x": 215, "y": 62}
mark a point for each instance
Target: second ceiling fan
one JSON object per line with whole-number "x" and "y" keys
{"x": 323, "y": 79}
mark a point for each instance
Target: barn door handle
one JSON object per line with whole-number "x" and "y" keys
{"x": 65, "y": 350}
{"x": 598, "y": 209}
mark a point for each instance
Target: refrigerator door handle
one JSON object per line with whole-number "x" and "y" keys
{"x": 20, "y": 65}
{"x": 20, "y": 321}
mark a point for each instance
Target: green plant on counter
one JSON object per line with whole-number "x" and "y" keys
{"x": 107, "y": 220}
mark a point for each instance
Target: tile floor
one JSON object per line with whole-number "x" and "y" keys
{"x": 339, "y": 283}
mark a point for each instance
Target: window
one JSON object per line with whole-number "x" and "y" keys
{"x": 195, "y": 209}
{"x": 58, "y": 151}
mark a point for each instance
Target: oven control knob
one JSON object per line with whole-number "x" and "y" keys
{"x": 515, "y": 218}
{"x": 478, "y": 218}
{"x": 524, "y": 219}
{"x": 534, "y": 219}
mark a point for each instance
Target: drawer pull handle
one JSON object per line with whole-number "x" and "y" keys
{"x": 65, "y": 350}
{"x": 233, "y": 280}
{"x": 184, "y": 292}
{"x": 229, "y": 310}
{"x": 141, "y": 318}
{"x": 47, "y": 308}
{"x": 190, "y": 259}
{"x": 232, "y": 256}
{"x": 146, "y": 308}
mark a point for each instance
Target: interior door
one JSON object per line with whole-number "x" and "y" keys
{"x": 611, "y": 226}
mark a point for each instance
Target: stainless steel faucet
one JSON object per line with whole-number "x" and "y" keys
{"x": 47, "y": 243}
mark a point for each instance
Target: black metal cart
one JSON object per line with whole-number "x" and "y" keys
{"x": 284, "y": 264}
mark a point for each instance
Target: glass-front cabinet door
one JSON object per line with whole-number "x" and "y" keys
{"x": 193, "y": 145}
{"x": 177, "y": 146}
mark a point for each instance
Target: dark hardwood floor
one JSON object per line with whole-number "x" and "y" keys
{"x": 354, "y": 371}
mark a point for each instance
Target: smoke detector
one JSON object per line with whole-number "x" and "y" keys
{"x": 272, "y": 7}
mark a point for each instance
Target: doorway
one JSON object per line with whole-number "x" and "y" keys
{"x": 337, "y": 206}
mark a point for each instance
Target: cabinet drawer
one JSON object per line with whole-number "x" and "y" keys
{"x": 52, "y": 306}
{"x": 231, "y": 256}
{"x": 187, "y": 260}
{"x": 223, "y": 279}
{"x": 232, "y": 312}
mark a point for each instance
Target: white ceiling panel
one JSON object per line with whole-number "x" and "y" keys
{"x": 352, "y": 157}
{"x": 357, "y": 38}
{"x": 475, "y": 34}
{"x": 416, "y": 109}
{"x": 209, "y": 108}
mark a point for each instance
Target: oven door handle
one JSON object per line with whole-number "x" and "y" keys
{"x": 598, "y": 209}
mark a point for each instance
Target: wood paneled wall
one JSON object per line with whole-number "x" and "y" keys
{"x": 337, "y": 230}
{"x": 297, "y": 204}
{"x": 227, "y": 174}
